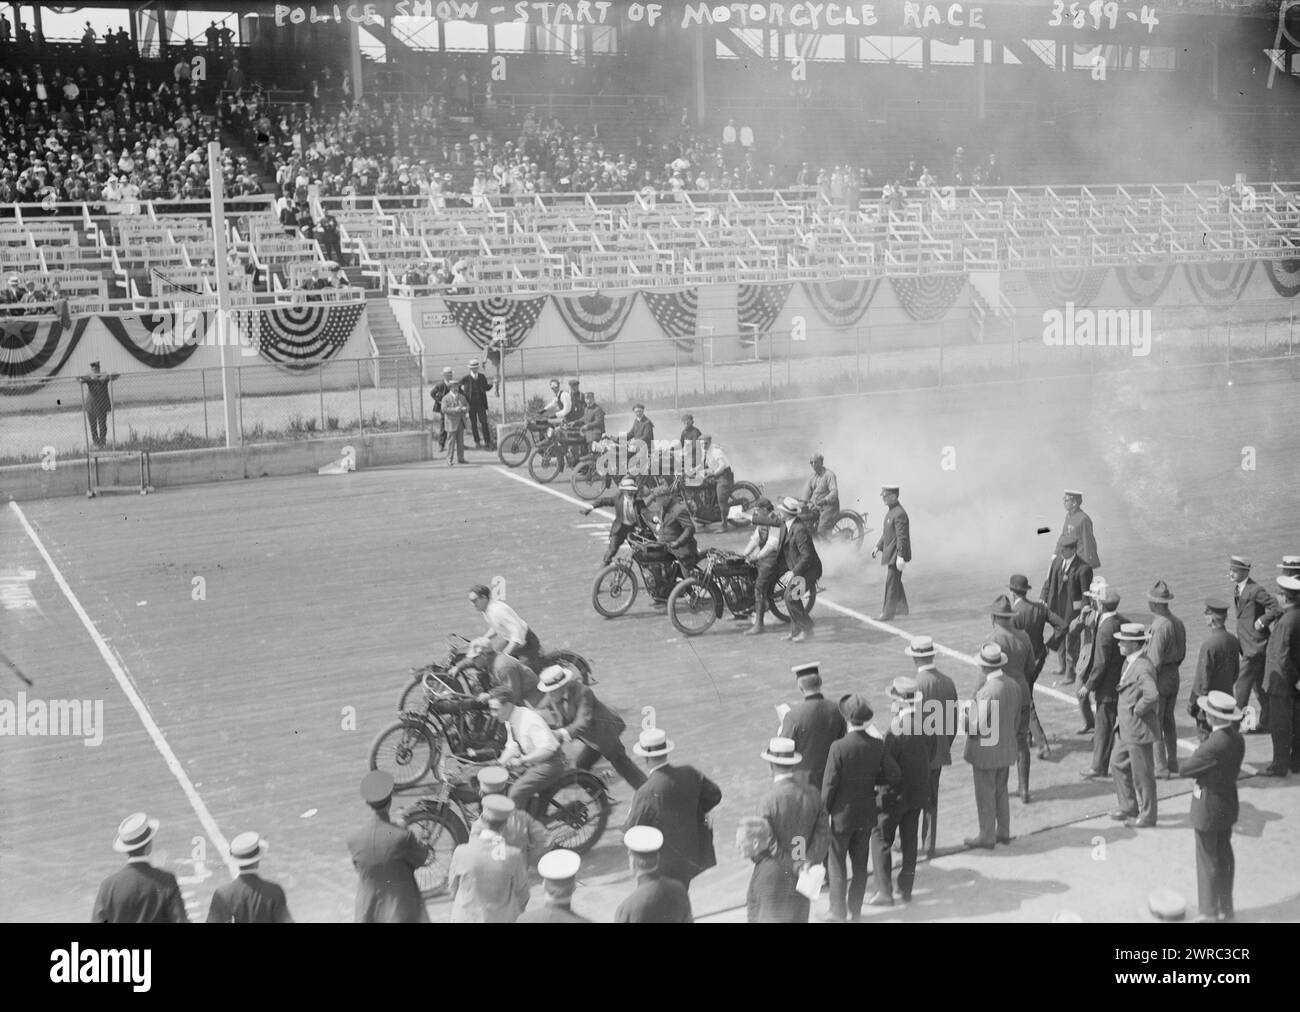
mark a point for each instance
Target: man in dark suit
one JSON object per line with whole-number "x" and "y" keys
{"x": 1077, "y": 526}
{"x": 805, "y": 567}
{"x": 991, "y": 721}
{"x": 939, "y": 700}
{"x": 1216, "y": 665}
{"x": 1214, "y": 766}
{"x": 1132, "y": 764}
{"x": 773, "y": 896}
{"x": 903, "y": 802}
{"x": 474, "y": 387}
{"x": 1101, "y": 678}
{"x": 440, "y": 390}
{"x": 249, "y": 899}
{"x": 98, "y": 402}
{"x": 1255, "y": 610}
{"x": 796, "y": 815}
{"x": 559, "y": 870}
{"x": 658, "y": 898}
{"x": 1166, "y": 648}
{"x": 138, "y": 893}
{"x": 813, "y": 724}
{"x": 580, "y": 716}
{"x": 674, "y": 800}
{"x": 895, "y": 550}
{"x": 1282, "y": 681}
{"x": 1032, "y": 618}
{"x": 386, "y": 856}
{"x": 856, "y": 764}
{"x": 676, "y": 529}
{"x": 1019, "y": 668}
{"x": 1063, "y": 591}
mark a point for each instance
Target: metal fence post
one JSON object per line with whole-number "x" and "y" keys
{"x": 857, "y": 359}
{"x": 203, "y": 380}
{"x": 613, "y": 374}
{"x": 941, "y": 330}
{"x": 361, "y": 421}
{"x": 771, "y": 379}
{"x": 320, "y": 375}
{"x": 1015, "y": 343}
{"x": 676, "y": 377}
{"x": 239, "y": 400}
{"x": 398, "y": 390}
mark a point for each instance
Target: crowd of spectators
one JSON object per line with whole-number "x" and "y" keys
{"x": 36, "y": 296}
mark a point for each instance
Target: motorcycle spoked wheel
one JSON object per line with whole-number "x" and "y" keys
{"x": 575, "y": 811}
{"x": 545, "y": 465}
{"x": 588, "y": 484}
{"x": 515, "y": 449}
{"x": 406, "y": 750}
{"x": 413, "y": 696}
{"x": 743, "y": 495}
{"x": 441, "y": 831}
{"x": 694, "y": 606}
{"x": 776, "y": 598}
{"x": 849, "y": 528}
{"x": 614, "y": 591}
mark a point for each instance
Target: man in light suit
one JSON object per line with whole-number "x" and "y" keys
{"x": 249, "y": 899}
{"x": 938, "y": 695}
{"x": 674, "y": 800}
{"x": 1166, "y": 648}
{"x": 1282, "y": 681}
{"x": 1063, "y": 592}
{"x": 991, "y": 721}
{"x": 657, "y": 898}
{"x": 386, "y": 856}
{"x": 805, "y": 567}
{"x": 138, "y": 893}
{"x": 894, "y": 547}
{"x": 1101, "y": 678}
{"x": 1256, "y": 611}
{"x": 1077, "y": 526}
{"x": 813, "y": 724}
{"x": 1214, "y": 766}
{"x": 1019, "y": 667}
{"x": 579, "y": 716}
{"x": 1216, "y": 665}
{"x": 796, "y": 815}
{"x": 1132, "y": 764}
{"x": 857, "y": 763}
{"x": 488, "y": 878}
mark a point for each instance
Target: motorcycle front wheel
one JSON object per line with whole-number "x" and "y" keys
{"x": 849, "y": 528}
{"x": 614, "y": 590}
{"x": 406, "y": 750}
{"x": 587, "y": 483}
{"x": 441, "y": 832}
{"x": 545, "y": 465}
{"x": 515, "y": 449}
{"x": 575, "y": 811}
{"x": 694, "y": 606}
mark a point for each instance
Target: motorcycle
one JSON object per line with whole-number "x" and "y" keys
{"x": 566, "y": 445}
{"x": 516, "y": 447}
{"x": 616, "y": 585}
{"x": 590, "y": 481}
{"x": 849, "y": 526}
{"x": 702, "y": 501}
{"x": 451, "y": 680}
{"x": 725, "y": 579}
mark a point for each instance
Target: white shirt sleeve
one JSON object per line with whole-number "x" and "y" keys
{"x": 534, "y": 733}
{"x": 505, "y": 622}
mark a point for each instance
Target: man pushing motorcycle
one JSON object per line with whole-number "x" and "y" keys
{"x": 822, "y": 492}
{"x": 629, "y": 516}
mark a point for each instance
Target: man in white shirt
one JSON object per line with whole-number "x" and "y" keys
{"x": 532, "y": 750}
{"x": 510, "y": 633}
{"x": 716, "y": 466}
{"x": 764, "y": 550}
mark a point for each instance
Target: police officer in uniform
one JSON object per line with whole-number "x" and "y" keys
{"x": 656, "y": 898}
{"x": 1216, "y": 665}
{"x": 895, "y": 550}
{"x": 559, "y": 871}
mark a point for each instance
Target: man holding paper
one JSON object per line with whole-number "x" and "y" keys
{"x": 798, "y": 819}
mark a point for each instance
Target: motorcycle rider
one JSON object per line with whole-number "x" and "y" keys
{"x": 574, "y": 406}
{"x": 507, "y": 632}
{"x": 593, "y": 419}
{"x": 822, "y": 492}
{"x": 629, "y": 516}
{"x": 555, "y": 409}
{"x": 764, "y": 550}
{"x": 532, "y": 750}
{"x": 491, "y": 668}
{"x": 677, "y": 530}
{"x": 715, "y": 467}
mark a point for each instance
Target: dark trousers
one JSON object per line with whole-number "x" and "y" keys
{"x": 1166, "y": 749}
{"x": 930, "y": 818}
{"x": 722, "y": 483}
{"x": 993, "y": 803}
{"x": 442, "y": 431}
{"x": 1252, "y": 678}
{"x": 536, "y": 779}
{"x": 849, "y": 852}
{"x": 1215, "y": 867}
{"x": 98, "y": 426}
{"x": 1103, "y": 740}
{"x": 904, "y": 824}
{"x": 1068, "y": 656}
{"x": 617, "y": 535}
{"x": 763, "y": 583}
{"x": 1284, "y": 719}
{"x": 620, "y": 760}
{"x": 478, "y": 422}
{"x": 895, "y": 596}
{"x": 1133, "y": 768}
{"x": 1085, "y": 711}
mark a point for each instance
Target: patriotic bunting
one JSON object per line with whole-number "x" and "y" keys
{"x": 35, "y": 350}
{"x": 160, "y": 340}
{"x": 1144, "y": 284}
{"x": 500, "y": 318}
{"x": 928, "y": 296}
{"x": 1218, "y": 285}
{"x": 841, "y": 303}
{"x": 1284, "y": 276}
{"x": 675, "y": 312}
{"x": 1056, "y": 288}
{"x": 594, "y": 318}
{"x": 758, "y": 306}
{"x": 305, "y": 335}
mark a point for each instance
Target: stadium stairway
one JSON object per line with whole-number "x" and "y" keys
{"x": 396, "y": 366}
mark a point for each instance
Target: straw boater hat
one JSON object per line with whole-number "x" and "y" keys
{"x": 991, "y": 656}
{"x": 653, "y": 743}
{"x": 1289, "y": 583}
{"x": 554, "y": 677}
{"x": 1220, "y": 705}
{"x": 1290, "y": 564}
{"x": 788, "y": 507}
{"x": 781, "y": 751}
{"x": 247, "y": 848}
{"x": 1132, "y": 632}
{"x": 133, "y": 832}
{"x": 921, "y": 646}
{"x": 904, "y": 687}
{"x": 889, "y": 488}
{"x": 1074, "y": 492}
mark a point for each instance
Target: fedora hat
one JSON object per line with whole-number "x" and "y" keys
{"x": 653, "y": 743}
{"x": 133, "y": 832}
{"x": 921, "y": 646}
{"x": 1220, "y": 705}
{"x": 554, "y": 677}
{"x": 247, "y": 848}
{"x": 1001, "y": 607}
{"x": 1239, "y": 562}
{"x": 855, "y": 709}
{"x": 1132, "y": 632}
{"x": 903, "y": 687}
{"x": 991, "y": 656}
{"x": 1019, "y": 583}
{"x": 782, "y": 752}
{"x": 1160, "y": 593}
